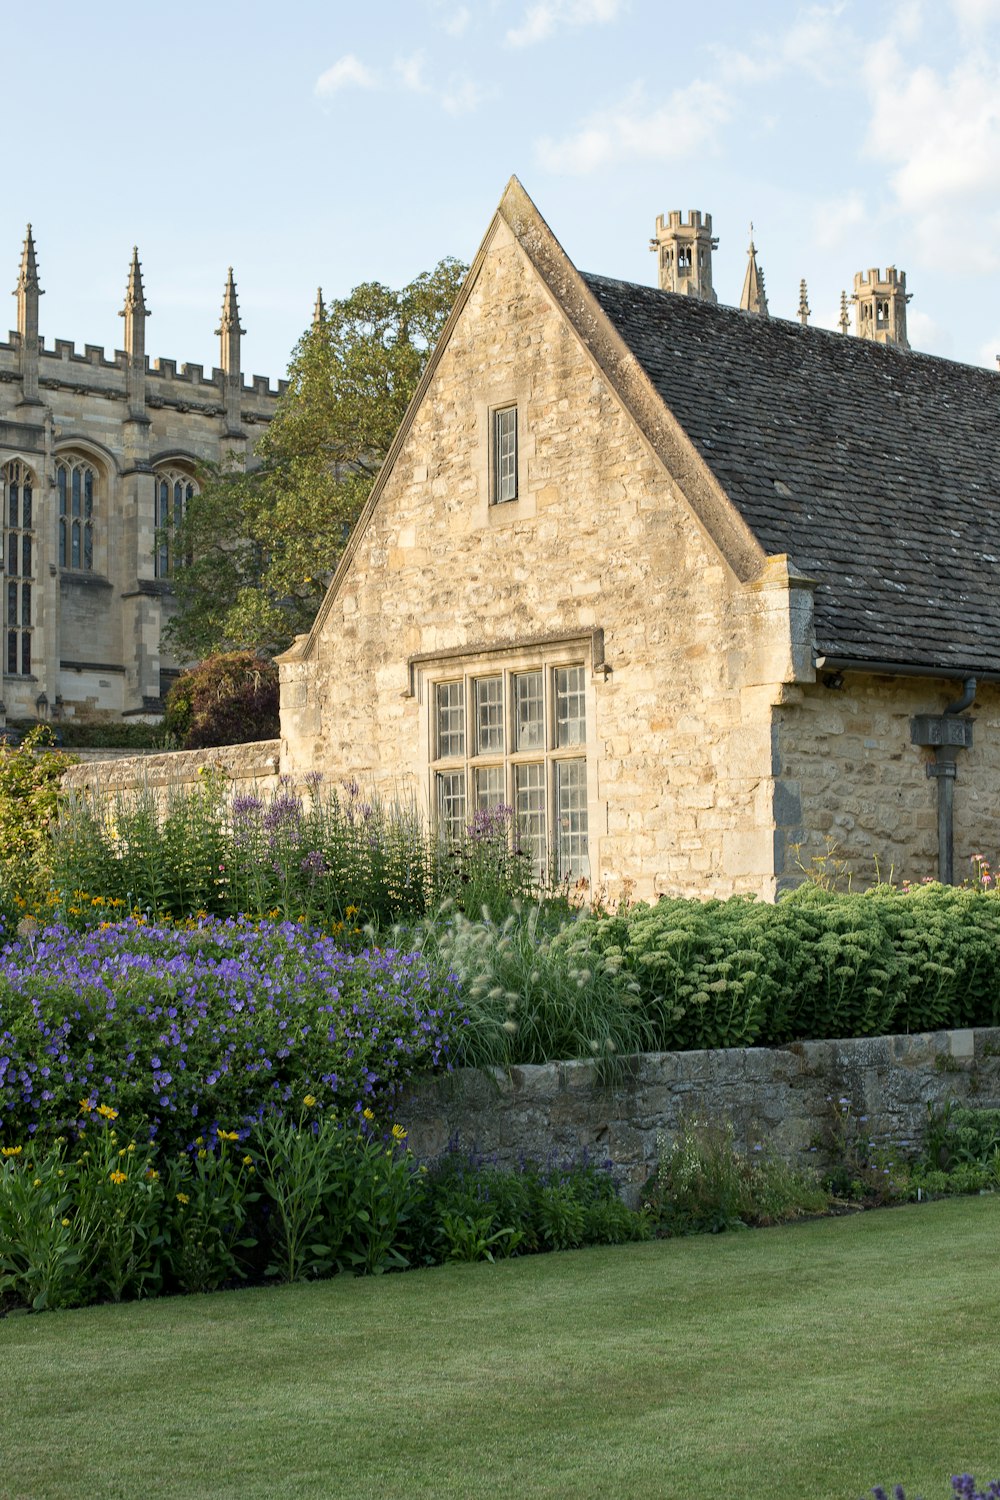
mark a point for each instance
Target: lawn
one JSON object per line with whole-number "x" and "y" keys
{"x": 798, "y": 1363}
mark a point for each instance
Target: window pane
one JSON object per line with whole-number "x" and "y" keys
{"x": 12, "y": 652}
{"x": 12, "y": 604}
{"x": 88, "y": 493}
{"x": 62, "y": 544}
{"x": 571, "y": 814}
{"x": 489, "y": 787}
{"x": 451, "y": 806}
{"x": 489, "y": 716}
{"x": 13, "y": 504}
{"x": 505, "y": 454}
{"x": 450, "y": 702}
{"x": 75, "y": 545}
{"x": 26, "y": 555}
{"x": 571, "y": 712}
{"x": 12, "y": 553}
{"x": 529, "y": 811}
{"x": 26, "y": 504}
{"x": 61, "y": 481}
{"x": 26, "y": 604}
{"x": 88, "y": 548}
{"x": 76, "y": 492}
{"x": 25, "y": 653}
{"x": 529, "y": 711}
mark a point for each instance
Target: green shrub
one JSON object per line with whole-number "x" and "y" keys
{"x": 229, "y": 699}
{"x": 30, "y": 777}
{"x": 704, "y": 1184}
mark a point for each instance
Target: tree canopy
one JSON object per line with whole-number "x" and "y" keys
{"x": 257, "y": 548}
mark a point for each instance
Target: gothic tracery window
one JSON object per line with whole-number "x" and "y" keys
{"x": 173, "y": 491}
{"x": 17, "y": 490}
{"x": 76, "y": 482}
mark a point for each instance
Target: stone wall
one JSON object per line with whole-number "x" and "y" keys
{"x": 177, "y": 770}
{"x": 853, "y": 788}
{"x": 780, "y": 1098}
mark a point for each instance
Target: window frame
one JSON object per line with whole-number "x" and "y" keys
{"x": 478, "y": 766}
{"x": 509, "y": 474}
{"x": 18, "y": 545}
{"x": 165, "y": 524}
{"x": 77, "y": 509}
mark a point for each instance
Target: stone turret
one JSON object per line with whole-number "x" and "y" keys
{"x": 135, "y": 312}
{"x": 880, "y": 306}
{"x": 684, "y": 253}
{"x": 27, "y": 293}
{"x": 229, "y": 333}
{"x": 753, "y": 298}
{"x": 319, "y": 310}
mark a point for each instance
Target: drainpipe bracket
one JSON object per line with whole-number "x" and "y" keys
{"x": 941, "y": 731}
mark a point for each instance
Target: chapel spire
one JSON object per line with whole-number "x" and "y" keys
{"x": 135, "y": 312}
{"x": 804, "y": 309}
{"x": 229, "y": 332}
{"x": 27, "y": 293}
{"x": 753, "y": 298}
{"x": 319, "y": 310}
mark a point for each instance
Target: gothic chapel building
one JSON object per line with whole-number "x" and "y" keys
{"x": 98, "y": 458}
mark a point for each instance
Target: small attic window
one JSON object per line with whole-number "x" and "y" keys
{"x": 504, "y": 455}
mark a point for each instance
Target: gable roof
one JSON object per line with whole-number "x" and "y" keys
{"x": 876, "y": 470}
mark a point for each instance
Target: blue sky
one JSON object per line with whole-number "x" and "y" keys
{"x": 312, "y": 143}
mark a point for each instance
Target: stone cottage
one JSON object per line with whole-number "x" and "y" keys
{"x": 688, "y": 587}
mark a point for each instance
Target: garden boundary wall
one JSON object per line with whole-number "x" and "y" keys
{"x": 177, "y": 770}
{"x": 781, "y": 1098}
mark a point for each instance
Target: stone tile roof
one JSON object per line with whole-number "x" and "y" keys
{"x": 876, "y": 470}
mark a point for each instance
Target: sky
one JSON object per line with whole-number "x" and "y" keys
{"x": 327, "y": 144}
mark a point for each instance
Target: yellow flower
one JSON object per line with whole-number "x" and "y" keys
{"x": 367, "y": 1114}
{"x": 183, "y": 1198}
{"x": 309, "y": 1101}
{"x": 152, "y": 1175}
{"x": 12, "y": 1150}
{"x": 65, "y": 1223}
{"x": 351, "y": 911}
{"x": 85, "y": 1106}
{"x": 37, "y": 1182}
{"x": 398, "y": 1133}
{"x": 107, "y": 1112}
{"x": 226, "y": 1135}
{"x": 202, "y": 1154}
{"x": 248, "y": 1161}
{"x": 118, "y": 1178}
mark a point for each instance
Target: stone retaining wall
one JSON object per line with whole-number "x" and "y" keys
{"x": 780, "y": 1097}
{"x": 172, "y": 770}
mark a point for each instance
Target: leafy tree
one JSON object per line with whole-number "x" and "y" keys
{"x": 257, "y": 549}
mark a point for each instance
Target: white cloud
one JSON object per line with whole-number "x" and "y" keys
{"x": 461, "y": 96}
{"x": 347, "y": 72}
{"x": 686, "y": 120}
{"x": 941, "y": 133}
{"x": 457, "y": 23}
{"x": 817, "y": 42}
{"x": 834, "y": 218}
{"x": 410, "y": 72}
{"x": 542, "y": 19}
{"x": 976, "y": 16}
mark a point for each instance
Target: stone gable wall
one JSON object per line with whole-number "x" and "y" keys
{"x": 600, "y": 538}
{"x": 778, "y": 1098}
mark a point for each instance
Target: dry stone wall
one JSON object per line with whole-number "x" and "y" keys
{"x": 777, "y": 1097}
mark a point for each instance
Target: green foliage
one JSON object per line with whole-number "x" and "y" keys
{"x": 534, "y": 992}
{"x": 351, "y": 379}
{"x": 339, "y": 1196}
{"x": 29, "y": 802}
{"x": 209, "y": 1196}
{"x": 230, "y": 699}
{"x": 105, "y": 735}
{"x": 704, "y": 1184}
{"x": 40, "y": 1259}
{"x": 473, "y": 1210}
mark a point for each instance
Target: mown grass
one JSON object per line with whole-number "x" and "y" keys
{"x": 811, "y": 1361}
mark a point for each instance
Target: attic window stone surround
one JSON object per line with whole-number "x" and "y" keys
{"x": 515, "y": 728}
{"x": 502, "y": 457}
